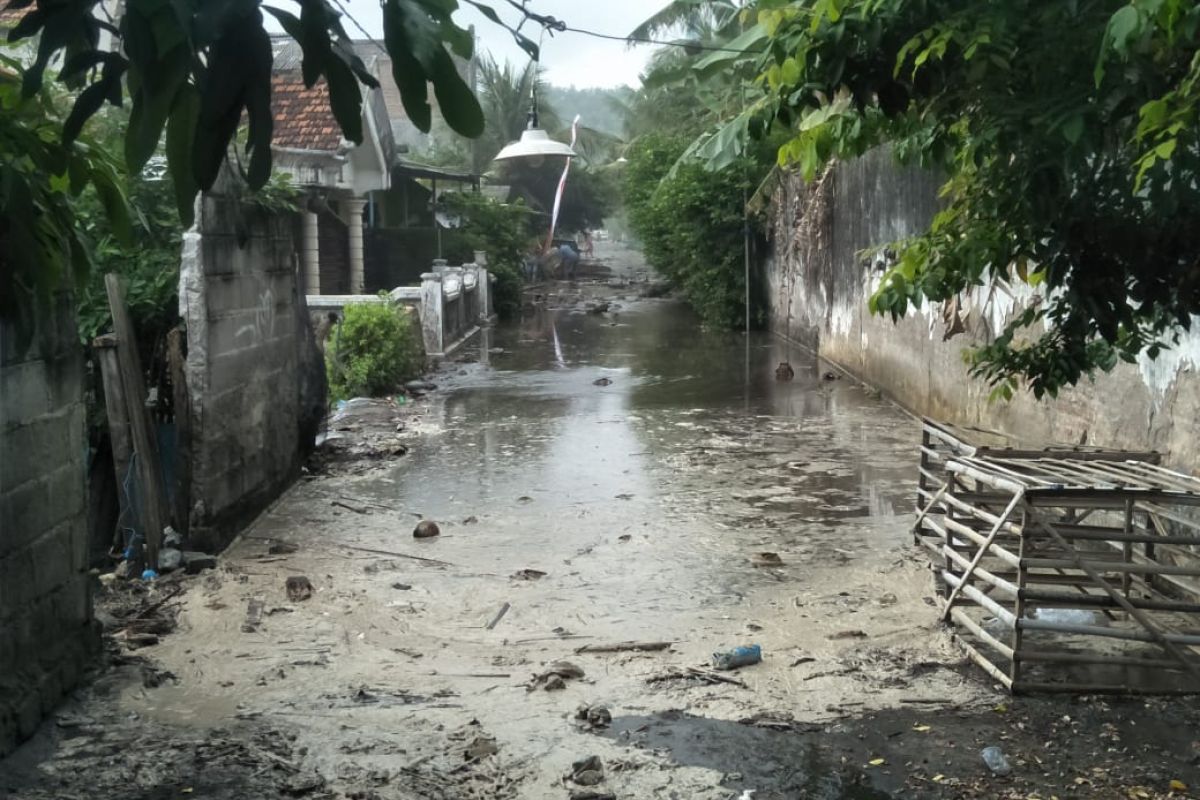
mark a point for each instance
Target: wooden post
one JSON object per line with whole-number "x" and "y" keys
{"x": 145, "y": 445}
{"x": 116, "y": 408}
{"x": 1014, "y": 670}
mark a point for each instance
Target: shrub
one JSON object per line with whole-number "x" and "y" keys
{"x": 503, "y": 230}
{"x": 374, "y": 350}
{"x": 690, "y": 224}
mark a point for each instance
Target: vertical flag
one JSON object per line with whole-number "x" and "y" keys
{"x": 562, "y": 184}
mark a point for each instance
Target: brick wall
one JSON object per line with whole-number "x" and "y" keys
{"x": 46, "y": 628}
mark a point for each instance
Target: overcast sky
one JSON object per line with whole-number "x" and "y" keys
{"x": 569, "y": 58}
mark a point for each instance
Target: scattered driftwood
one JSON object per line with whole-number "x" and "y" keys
{"x": 348, "y": 507}
{"x": 621, "y": 647}
{"x": 254, "y": 612}
{"x": 706, "y": 675}
{"x": 499, "y": 616}
{"x": 395, "y": 554}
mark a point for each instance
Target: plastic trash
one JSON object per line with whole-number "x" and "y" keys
{"x": 737, "y": 657}
{"x": 149, "y": 575}
{"x": 995, "y": 760}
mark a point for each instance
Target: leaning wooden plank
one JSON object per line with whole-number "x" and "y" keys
{"x": 117, "y": 412}
{"x": 145, "y": 443}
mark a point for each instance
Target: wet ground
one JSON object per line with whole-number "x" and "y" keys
{"x": 598, "y": 478}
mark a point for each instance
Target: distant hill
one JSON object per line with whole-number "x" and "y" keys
{"x": 592, "y": 105}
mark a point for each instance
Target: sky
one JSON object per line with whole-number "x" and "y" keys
{"x": 569, "y": 59}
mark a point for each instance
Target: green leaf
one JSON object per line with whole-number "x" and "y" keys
{"x": 456, "y": 101}
{"x": 181, "y": 130}
{"x": 345, "y": 98}
{"x": 1072, "y": 129}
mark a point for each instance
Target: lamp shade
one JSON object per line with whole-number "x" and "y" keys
{"x": 534, "y": 143}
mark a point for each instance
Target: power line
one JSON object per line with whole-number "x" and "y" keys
{"x": 641, "y": 40}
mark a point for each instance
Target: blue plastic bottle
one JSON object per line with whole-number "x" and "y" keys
{"x": 737, "y": 657}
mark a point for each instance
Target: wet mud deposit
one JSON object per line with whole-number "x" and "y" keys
{"x": 599, "y": 476}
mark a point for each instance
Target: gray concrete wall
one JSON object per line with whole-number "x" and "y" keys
{"x": 250, "y": 365}
{"x": 819, "y": 280}
{"x": 46, "y": 628}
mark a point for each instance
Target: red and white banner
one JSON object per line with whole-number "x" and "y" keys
{"x": 562, "y": 184}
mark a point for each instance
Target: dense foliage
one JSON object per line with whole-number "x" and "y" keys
{"x": 690, "y": 223}
{"x": 373, "y": 351}
{"x": 42, "y": 246}
{"x": 1068, "y": 131}
{"x": 504, "y": 231}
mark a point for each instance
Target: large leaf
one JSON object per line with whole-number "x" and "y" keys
{"x": 456, "y": 101}
{"x": 345, "y": 98}
{"x": 181, "y": 131}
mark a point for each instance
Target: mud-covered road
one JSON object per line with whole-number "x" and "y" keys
{"x": 598, "y": 478}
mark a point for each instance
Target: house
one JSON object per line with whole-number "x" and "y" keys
{"x": 368, "y": 221}
{"x": 335, "y": 176}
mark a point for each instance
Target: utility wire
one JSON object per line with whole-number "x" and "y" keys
{"x": 684, "y": 44}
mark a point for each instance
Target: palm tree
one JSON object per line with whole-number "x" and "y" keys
{"x": 504, "y": 93}
{"x": 688, "y": 17}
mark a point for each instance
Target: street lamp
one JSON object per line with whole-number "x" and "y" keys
{"x": 535, "y": 144}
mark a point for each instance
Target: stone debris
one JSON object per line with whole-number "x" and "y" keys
{"x": 299, "y": 588}
{"x": 426, "y": 529}
{"x": 587, "y": 771}
{"x": 194, "y": 562}
{"x": 528, "y": 574}
{"x": 169, "y": 559}
{"x": 555, "y": 676}
{"x": 767, "y": 560}
{"x": 593, "y": 717}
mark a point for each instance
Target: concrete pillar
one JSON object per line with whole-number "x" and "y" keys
{"x": 352, "y": 208}
{"x": 484, "y": 291}
{"x": 432, "y": 327}
{"x": 310, "y": 253}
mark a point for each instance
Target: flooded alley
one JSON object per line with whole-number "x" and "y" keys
{"x": 598, "y": 479}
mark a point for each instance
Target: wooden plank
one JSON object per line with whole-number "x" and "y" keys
{"x": 145, "y": 444}
{"x": 117, "y": 413}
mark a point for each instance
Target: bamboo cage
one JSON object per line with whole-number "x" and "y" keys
{"x": 1064, "y": 570}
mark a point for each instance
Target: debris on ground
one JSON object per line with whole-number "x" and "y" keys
{"x": 587, "y": 771}
{"x": 621, "y": 647}
{"x": 593, "y": 717}
{"x": 169, "y": 559}
{"x": 194, "y": 562}
{"x": 426, "y": 529}
{"x": 555, "y": 676}
{"x": 279, "y": 547}
{"x": 299, "y": 588}
{"x": 737, "y": 657}
{"x": 254, "y": 612}
{"x": 528, "y": 574}
{"x": 996, "y": 761}
{"x": 766, "y": 560}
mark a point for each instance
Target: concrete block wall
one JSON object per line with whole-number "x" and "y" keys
{"x": 819, "y": 281}
{"x": 246, "y": 324}
{"x": 47, "y": 634}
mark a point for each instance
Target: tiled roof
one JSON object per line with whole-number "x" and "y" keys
{"x": 303, "y": 119}
{"x": 9, "y": 17}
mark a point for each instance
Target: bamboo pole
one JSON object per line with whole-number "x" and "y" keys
{"x": 962, "y": 618}
{"x": 1110, "y": 566}
{"x": 1003, "y": 585}
{"x": 998, "y": 611}
{"x": 984, "y": 547}
{"x": 999, "y": 552}
{"x": 1108, "y": 633}
{"x": 1043, "y": 656}
{"x": 1137, "y": 614}
{"x": 984, "y": 663}
{"x": 1092, "y": 688}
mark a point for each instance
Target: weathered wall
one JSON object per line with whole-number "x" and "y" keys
{"x": 819, "y": 280}
{"x": 46, "y": 628}
{"x": 254, "y": 378}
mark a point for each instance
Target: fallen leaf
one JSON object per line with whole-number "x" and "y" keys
{"x": 1000, "y": 708}
{"x": 921, "y": 728}
{"x": 875, "y": 762}
{"x": 1178, "y": 786}
{"x": 938, "y": 778}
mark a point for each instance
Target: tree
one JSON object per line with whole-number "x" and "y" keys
{"x": 193, "y": 70}
{"x": 505, "y": 94}
{"x": 1067, "y": 131}
{"x": 41, "y": 181}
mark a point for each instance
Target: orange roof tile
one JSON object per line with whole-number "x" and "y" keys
{"x": 9, "y": 17}
{"x": 303, "y": 119}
